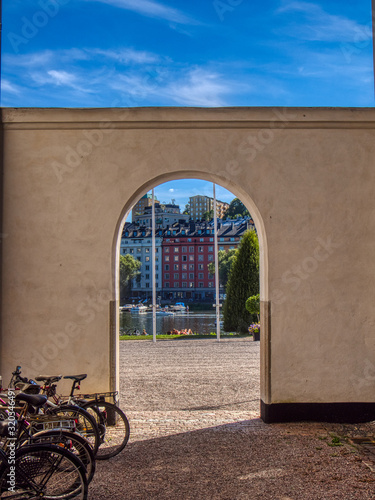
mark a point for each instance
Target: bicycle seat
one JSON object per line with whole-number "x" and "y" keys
{"x": 48, "y": 379}
{"x": 36, "y": 400}
{"x": 77, "y": 378}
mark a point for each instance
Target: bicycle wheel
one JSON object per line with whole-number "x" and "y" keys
{"x": 73, "y": 442}
{"x": 113, "y": 426}
{"x": 85, "y": 423}
{"x": 44, "y": 470}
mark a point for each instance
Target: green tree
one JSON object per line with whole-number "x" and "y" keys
{"x": 129, "y": 269}
{"x": 225, "y": 263}
{"x": 187, "y": 209}
{"x": 253, "y": 305}
{"x": 243, "y": 282}
{"x": 236, "y": 209}
{"x": 208, "y": 215}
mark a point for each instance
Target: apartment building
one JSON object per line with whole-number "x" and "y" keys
{"x": 200, "y": 204}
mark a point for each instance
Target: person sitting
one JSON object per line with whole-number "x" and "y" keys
{"x": 144, "y": 332}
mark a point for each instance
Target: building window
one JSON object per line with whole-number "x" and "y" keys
{"x": 184, "y": 284}
{"x": 147, "y": 268}
{"x": 191, "y": 267}
{"x": 191, "y": 284}
{"x": 201, "y": 239}
{"x": 147, "y": 276}
{"x": 139, "y": 259}
{"x": 166, "y": 276}
{"x": 139, "y": 250}
{"x": 147, "y": 250}
{"x": 147, "y": 285}
{"x": 221, "y": 248}
{"x": 200, "y": 276}
{"x": 201, "y": 284}
{"x": 176, "y": 249}
{"x": 210, "y": 276}
{"x": 166, "y": 258}
{"x": 232, "y": 239}
{"x": 131, "y": 250}
{"x": 189, "y": 240}
{"x": 200, "y": 257}
{"x": 191, "y": 249}
{"x": 123, "y": 250}
{"x": 222, "y": 239}
{"x": 191, "y": 276}
{"x": 191, "y": 257}
{"x": 176, "y": 267}
{"x": 184, "y": 249}
{"x": 184, "y": 276}
{"x": 211, "y": 258}
{"x": 176, "y": 258}
{"x": 200, "y": 267}
{"x": 211, "y": 239}
{"x": 210, "y": 249}
{"x": 176, "y": 276}
{"x": 166, "y": 267}
{"x": 200, "y": 249}
{"x": 166, "y": 249}
{"x": 166, "y": 285}
{"x": 147, "y": 259}
{"x": 210, "y": 284}
{"x": 176, "y": 284}
{"x": 184, "y": 258}
{"x": 184, "y": 267}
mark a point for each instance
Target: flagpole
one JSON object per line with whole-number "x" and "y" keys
{"x": 216, "y": 270}
{"x": 153, "y": 269}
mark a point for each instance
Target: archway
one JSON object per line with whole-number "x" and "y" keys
{"x": 250, "y": 205}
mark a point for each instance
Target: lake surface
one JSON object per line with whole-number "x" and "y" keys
{"x": 198, "y": 322}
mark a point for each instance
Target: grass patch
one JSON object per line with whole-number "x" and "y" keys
{"x": 195, "y": 336}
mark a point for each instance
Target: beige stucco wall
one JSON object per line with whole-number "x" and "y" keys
{"x": 307, "y": 176}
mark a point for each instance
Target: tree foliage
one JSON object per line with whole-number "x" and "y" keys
{"x": 243, "y": 282}
{"x": 208, "y": 215}
{"x": 226, "y": 260}
{"x": 129, "y": 269}
{"x": 236, "y": 209}
{"x": 253, "y": 305}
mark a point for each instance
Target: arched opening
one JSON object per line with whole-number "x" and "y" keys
{"x": 250, "y": 205}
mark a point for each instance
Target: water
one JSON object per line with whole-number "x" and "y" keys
{"x": 198, "y": 322}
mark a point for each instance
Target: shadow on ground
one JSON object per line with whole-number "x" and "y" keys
{"x": 244, "y": 460}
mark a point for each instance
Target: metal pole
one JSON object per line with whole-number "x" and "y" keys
{"x": 153, "y": 269}
{"x": 216, "y": 271}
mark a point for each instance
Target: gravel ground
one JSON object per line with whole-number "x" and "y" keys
{"x": 193, "y": 407}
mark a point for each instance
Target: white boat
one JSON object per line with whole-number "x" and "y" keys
{"x": 178, "y": 307}
{"x": 126, "y": 307}
{"x": 138, "y": 309}
{"x": 164, "y": 313}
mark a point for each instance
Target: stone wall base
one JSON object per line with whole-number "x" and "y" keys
{"x": 318, "y": 412}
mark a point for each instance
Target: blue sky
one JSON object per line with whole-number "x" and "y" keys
{"x": 114, "y": 53}
{"x": 103, "y": 53}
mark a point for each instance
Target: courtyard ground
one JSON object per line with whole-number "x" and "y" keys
{"x": 193, "y": 407}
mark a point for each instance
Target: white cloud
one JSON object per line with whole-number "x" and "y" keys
{"x": 315, "y": 24}
{"x": 171, "y": 190}
{"x": 153, "y": 9}
{"x": 6, "y": 86}
{"x": 62, "y": 78}
{"x": 127, "y": 56}
{"x": 199, "y": 87}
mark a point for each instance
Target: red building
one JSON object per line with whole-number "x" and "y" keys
{"x": 187, "y": 249}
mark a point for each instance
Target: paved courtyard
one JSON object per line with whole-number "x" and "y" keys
{"x": 193, "y": 407}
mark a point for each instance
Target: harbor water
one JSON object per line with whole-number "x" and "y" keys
{"x": 198, "y": 322}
